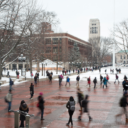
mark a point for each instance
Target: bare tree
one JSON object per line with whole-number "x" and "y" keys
{"x": 100, "y": 48}
{"x": 14, "y": 21}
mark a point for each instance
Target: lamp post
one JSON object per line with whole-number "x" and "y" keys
{"x": 43, "y": 66}
{"x": 22, "y": 59}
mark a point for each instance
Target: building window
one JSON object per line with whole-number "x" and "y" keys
{"x": 124, "y": 57}
{"x": 94, "y": 30}
{"x": 127, "y": 56}
{"x": 55, "y": 49}
{"x": 124, "y": 62}
{"x": 48, "y": 49}
{"x": 48, "y": 41}
{"x": 121, "y": 57}
{"x": 55, "y": 40}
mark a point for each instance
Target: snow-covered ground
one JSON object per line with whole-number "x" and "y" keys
{"x": 84, "y": 76}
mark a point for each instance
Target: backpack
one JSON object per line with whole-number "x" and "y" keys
{"x": 72, "y": 105}
{"x": 121, "y": 102}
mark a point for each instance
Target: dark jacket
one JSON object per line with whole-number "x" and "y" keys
{"x": 124, "y": 101}
{"x": 101, "y": 78}
{"x": 41, "y": 102}
{"x": 77, "y": 78}
{"x": 85, "y": 105}
{"x": 23, "y": 107}
{"x": 35, "y": 78}
{"x": 11, "y": 82}
{"x": 95, "y": 81}
{"x": 80, "y": 96}
{"x": 125, "y": 85}
{"x": 32, "y": 89}
{"x": 60, "y": 79}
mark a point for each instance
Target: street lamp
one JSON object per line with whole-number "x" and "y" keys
{"x": 43, "y": 65}
{"x": 22, "y": 59}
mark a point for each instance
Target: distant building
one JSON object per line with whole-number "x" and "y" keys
{"x": 122, "y": 57}
{"x": 94, "y": 28}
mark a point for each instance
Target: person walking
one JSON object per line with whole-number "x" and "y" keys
{"x": 125, "y": 77}
{"x": 123, "y": 104}
{"x": 104, "y": 82}
{"x": 77, "y": 80}
{"x": 24, "y": 108}
{"x": 7, "y": 73}
{"x": 117, "y": 79}
{"x": 10, "y": 83}
{"x": 80, "y": 97}
{"x": 95, "y": 82}
{"x": 89, "y": 81}
{"x": 8, "y": 98}
{"x": 73, "y": 71}
{"x": 78, "y": 71}
{"x": 85, "y": 109}
{"x": 50, "y": 78}
{"x": 37, "y": 74}
{"x": 60, "y": 80}
{"x": 71, "y": 108}
{"x": 18, "y": 74}
{"x": 67, "y": 81}
{"x": 69, "y": 71}
{"x": 107, "y": 77}
{"x": 101, "y": 79}
{"x": 35, "y": 79}
{"x": 41, "y": 104}
{"x": 125, "y": 85}
{"x": 31, "y": 90}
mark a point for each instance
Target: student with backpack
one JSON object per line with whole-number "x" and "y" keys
{"x": 105, "y": 82}
{"x": 117, "y": 78}
{"x": 95, "y": 82}
{"x": 71, "y": 108}
{"x": 125, "y": 85}
{"x": 85, "y": 108}
{"x": 123, "y": 104}
{"x": 67, "y": 81}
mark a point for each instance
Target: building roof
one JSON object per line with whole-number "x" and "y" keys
{"x": 123, "y": 51}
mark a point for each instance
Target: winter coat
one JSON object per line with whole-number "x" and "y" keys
{"x": 23, "y": 107}
{"x": 10, "y": 82}
{"x": 89, "y": 80}
{"x": 117, "y": 77}
{"x": 101, "y": 78}
{"x": 85, "y": 105}
{"x": 9, "y": 97}
{"x": 95, "y": 81}
{"x": 78, "y": 78}
{"x": 105, "y": 81}
{"x": 68, "y": 79}
{"x": 60, "y": 79}
{"x": 41, "y": 102}
{"x": 80, "y": 96}
{"x": 125, "y": 85}
{"x": 35, "y": 78}
{"x": 107, "y": 77}
{"x": 32, "y": 89}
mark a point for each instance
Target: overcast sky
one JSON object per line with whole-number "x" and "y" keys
{"x": 74, "y": 15}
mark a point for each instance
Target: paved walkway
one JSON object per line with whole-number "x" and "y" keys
{"x": 104, "y": 105}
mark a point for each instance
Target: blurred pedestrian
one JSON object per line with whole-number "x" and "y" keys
{"x": 85, "y": 109}
{"x": 31, "y": 90}
{"x": 123, "y": 104}
{"x": 67, "y": 81}
{"x": 104, "y": 82}
{"x": 24, "y": 108}
{"x": 35, "y": 79}
{"x": 77, "y": 80}
{"x": 117, "y": 79}
{"x": 95, "y": 82}
{"x": 107, "y": 77}
{"x": 50, "y": 78}
{"x": 89, "y": 81}
{"x": 10, "y": 83}
{"x": 71, "y": 108}
{"x": 101, "y": 79}
{"x": 40, "y": 105}
{"x": 60, "y": 80}
{"x": 80, "y": 97}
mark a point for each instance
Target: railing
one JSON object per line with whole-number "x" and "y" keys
{"x": 16, "y": 118}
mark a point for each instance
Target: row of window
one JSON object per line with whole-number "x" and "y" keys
{"x": 125, "y": 57}
{"x": 54, "y": 40}
{"x": 93, "y": 30}
{"x": 55, "y": 49}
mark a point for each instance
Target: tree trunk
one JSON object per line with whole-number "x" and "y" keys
{"x": 38, "y": 66}
{"x": 57, "y": 67}
{"x": 0, "y": 69}
{"x": 30, "y": 64}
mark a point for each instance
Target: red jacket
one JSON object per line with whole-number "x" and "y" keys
{"x": 107, "y": 77}
{"x": 89, "y": 80}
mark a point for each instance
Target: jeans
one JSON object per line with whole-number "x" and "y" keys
{"x": 94, "y": 85}
{"x": 42, "y": 113}
{"x": 59, "y": 83}
{"x": 10, "y": 87}
{"x": 9, "y": 106}
{"x": 35, "y": 82}
{"x": 70, "y": 116}
{"x": 31, "y": 95}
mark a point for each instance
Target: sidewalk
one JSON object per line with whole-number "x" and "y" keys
{"x": 104, "y": 105}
